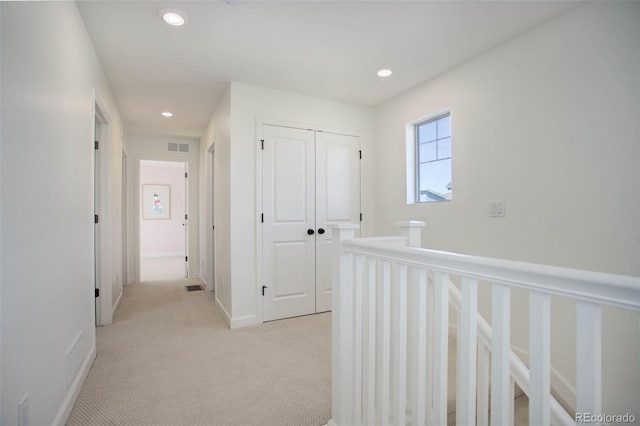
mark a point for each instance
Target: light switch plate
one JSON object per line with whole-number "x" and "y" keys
{"x": 496, "y": 209}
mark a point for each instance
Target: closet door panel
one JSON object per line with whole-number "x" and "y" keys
{"x": 289, "y": 257}
{"x": 337, "y": 200}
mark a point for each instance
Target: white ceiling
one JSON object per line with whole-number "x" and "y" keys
{"x": 328, "y": 49}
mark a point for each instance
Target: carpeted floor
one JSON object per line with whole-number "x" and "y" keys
{"x": 170, "y": 359}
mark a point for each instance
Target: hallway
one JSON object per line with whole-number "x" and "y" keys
{"x": 169, "y": 358}
{"x": 162, "y": 268}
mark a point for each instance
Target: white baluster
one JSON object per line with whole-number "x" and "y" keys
{"x": 441, "y": 347}
{"x": 589, "y": 358}
{"x": 500, "y": 353}
{"x": 369, "y": 342}
{"x": 358, "y": 279}
{"x": 419, "y": 348}
{"x": 539, "y": 358}
{"x": 384, "y": 342}
{"x": 429, "y": 356}
{"x": 467, "y": 347}
{"x": 399, "y": 344}
{"x": 341, "y": 350}
{"x": 484, "y": 359}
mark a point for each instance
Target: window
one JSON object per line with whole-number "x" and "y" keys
{"x": 433, "y": 159}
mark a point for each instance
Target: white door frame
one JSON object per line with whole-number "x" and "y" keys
{"x": 125, "y": 222}
{"x": 210, "y": 222}
{"x": 260, "y": 121}
{"x": 187, "y": 219}
{"x": 103, "y": 240}
{"x": 138, "y": 212}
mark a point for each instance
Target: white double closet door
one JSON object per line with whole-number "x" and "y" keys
{"x": 311, "y": 179}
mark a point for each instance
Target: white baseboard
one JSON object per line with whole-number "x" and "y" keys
{"x": 206, "y": 284}
{"x": 168, "y": 254}
{"x": 237, "y": 322}
{"x": 563, "y": 387}
{"x": 223, "y": 311}
{"x": 558, "y": 382}
{"x": 245, "y": 321}
{"x": 201, "y": 278}
{"x": 117, "y": 304}
{"x": 74, "y": 390}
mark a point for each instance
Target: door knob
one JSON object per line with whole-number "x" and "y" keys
{"x": 310, "y": 231}
{"x": 320, "y": 231}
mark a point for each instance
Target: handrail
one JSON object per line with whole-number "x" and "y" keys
{"x": 380, "y": 297}
{"x": 596, "y": 287}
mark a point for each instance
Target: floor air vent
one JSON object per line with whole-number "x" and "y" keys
{"x": 193, "y": 287}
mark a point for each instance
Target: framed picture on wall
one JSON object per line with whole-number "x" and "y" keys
{"x": 156, "y": 201}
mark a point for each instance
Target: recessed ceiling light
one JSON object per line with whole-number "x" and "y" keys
{"x": 384, "y": 72}
{"x": 167, "y": 114}
{"x": 173, "y": 17}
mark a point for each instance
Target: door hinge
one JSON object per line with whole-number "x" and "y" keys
{"x": 263, "y": 287}
{"x": 360, "y": 152}
{"x": 261, "y": 217}
{"x": 262, "y": 144}
{"x": 213, "y": 227}
{"x": 97, "y": 292}
{"x": 186, "y": 217}
{"x": 186, "y": 258}
{"x": 97, "y": 144}
{"x": 96, "y": 219}
{"x": 360, "y": 217}
{"x": 186, "y": 175}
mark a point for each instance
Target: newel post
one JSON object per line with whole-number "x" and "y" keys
{"x": 341, "y": 326}
{"x": 412, "y": 231}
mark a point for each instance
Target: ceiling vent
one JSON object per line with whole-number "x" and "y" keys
{"x": 177, "y": 147}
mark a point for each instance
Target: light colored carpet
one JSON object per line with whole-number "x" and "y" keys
{"x": 169, "y": 359}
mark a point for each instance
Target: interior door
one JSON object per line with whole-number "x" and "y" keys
{"x": 289, "y": 243}
{"x": 96, "y": 227}
{"x": 186, "y": 220}
{"x": 337, "y": 201}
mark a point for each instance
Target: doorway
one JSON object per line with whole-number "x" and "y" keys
{"x": 103, "y": 287}
{"x": 97, "y": 183}
{"x": 164, "y": 220}
{"x": 310, "y": 180}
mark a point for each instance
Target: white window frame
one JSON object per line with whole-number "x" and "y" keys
{"x": 412, "y": 152}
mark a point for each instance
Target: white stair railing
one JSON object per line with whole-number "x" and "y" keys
{"x": 391, "y": 326}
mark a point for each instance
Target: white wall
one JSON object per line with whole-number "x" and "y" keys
{"x": 219, "y": 132}
{"x": 49, "y": 70}
{"x": 164, "y": 237}
{"x": 248, "y": 103}
{"x": 547, "y": 123}
{"x": 0, "y": 222}
{"x": 141, "y": 147}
